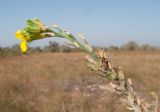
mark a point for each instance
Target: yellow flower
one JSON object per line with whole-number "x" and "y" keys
{"x": 33, "y": 31}
{"x": 20, "y": 36}
{"x": 23, "y": 46}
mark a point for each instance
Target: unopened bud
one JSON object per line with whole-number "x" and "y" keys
{"x": 50, "y": 34}
{"x": 54, "y": 25}
{"x": 67, "y": 32}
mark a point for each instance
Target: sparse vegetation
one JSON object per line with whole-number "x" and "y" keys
{"x": 45, "y": 82}
{"x": 53, "y": 46}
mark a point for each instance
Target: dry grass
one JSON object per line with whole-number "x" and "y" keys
{"x": 57, "y": 82}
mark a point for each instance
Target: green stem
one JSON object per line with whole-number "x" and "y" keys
{"x": 82, "y": 46}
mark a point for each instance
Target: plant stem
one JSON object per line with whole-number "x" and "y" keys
{"x": 103, "y": 67}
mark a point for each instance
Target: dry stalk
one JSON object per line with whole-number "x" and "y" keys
{"x": 118, "y": 82}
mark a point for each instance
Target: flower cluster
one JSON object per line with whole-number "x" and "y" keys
{"x": 37, "y": 30}
{"x": 34, "y": 30}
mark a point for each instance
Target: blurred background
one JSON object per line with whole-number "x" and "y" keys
{"x": 51, "y": 76}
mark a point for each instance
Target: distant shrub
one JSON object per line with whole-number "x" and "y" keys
{"x": 131, "y": 45}
{"x": 10, "y": 51}
{"x": 112, "y": 47}
{"x": 147, "y": 47}
{"x": 52, "y": 47}
{"x": 64, "y": 48}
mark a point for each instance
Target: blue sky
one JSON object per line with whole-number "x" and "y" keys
{"x": 103, "y": 22}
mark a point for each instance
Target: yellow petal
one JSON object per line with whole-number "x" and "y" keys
{"x": 23, "y": 46}
{"x": 19, "y": 35}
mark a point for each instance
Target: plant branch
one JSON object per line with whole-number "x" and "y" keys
{"x": 96, "y": 61}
